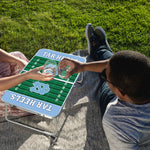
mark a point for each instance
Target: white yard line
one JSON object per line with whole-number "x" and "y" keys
{"x": 64, "y": 81}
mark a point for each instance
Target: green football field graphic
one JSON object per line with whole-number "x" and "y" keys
{"x": 58, "y": 89}
{"x": 45, "y": 98}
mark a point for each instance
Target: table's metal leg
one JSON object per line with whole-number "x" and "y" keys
{"x": 33, "y": 128}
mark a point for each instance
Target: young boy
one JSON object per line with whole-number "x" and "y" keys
{"x": 124, "y": 94}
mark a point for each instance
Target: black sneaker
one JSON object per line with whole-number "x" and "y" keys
{"x": 93, "y": 42}
{"x": 101, "y": 36}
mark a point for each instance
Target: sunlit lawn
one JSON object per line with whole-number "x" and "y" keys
{"x": 59, "y": 25}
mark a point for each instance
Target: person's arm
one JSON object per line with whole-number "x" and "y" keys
{"x": 118, "y": 140}
{"x": 6, "y": 57}
{"x": 9, "y": 82}
{"x": 77, "y": 67}
{"x": 96, "y": 66}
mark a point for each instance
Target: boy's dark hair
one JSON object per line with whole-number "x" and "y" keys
{"x": 130, "y": 73}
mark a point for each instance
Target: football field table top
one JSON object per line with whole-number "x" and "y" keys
{"x": 45, "y": 98}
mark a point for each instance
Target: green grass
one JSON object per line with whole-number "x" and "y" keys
{"x": 30, "y": 25}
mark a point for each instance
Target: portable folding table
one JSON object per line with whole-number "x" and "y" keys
{"x": 45, "y": 98}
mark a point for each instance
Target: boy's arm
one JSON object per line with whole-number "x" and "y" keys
{"x": 77, "y": 67}
{"x": 118, "y": 138}
{"x": 96, "y": 66}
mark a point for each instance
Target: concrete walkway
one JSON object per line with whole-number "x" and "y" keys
{"x": 79, "y": 129}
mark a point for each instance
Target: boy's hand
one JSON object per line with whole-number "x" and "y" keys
{"x": 74, "y": 66}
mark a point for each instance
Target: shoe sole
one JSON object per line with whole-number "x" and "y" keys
{"x": 86, "y": 34}
{"x": 104, "y": 35}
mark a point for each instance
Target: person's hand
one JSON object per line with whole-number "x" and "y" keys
{"x": 22, "y": 63}
{"x": 74, "y": 66}
{"x": 20, "y": 59}
{"x": 4, "y": 69}
{"x": 37, "y": 75}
